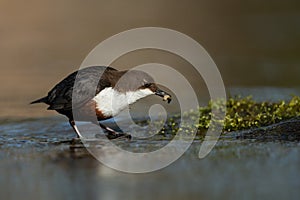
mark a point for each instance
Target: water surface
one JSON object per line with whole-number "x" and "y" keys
{"x": 36, "y": 162}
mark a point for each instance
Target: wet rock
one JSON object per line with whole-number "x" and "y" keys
{"x": 288, "y": 130}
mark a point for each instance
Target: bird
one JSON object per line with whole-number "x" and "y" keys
{"x": 100, "y": 91}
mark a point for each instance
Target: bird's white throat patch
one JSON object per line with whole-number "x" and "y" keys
{"x": 111, "y": 102}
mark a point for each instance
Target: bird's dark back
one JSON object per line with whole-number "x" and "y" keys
{"x": 87, "y": 85}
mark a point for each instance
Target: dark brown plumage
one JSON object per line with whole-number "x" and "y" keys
{"x": 90, "y": 82}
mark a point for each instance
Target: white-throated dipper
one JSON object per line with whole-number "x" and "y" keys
{"x": 115, "y": 90}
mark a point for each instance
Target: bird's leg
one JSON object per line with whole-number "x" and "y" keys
{"x": 72, "y": 123}
{"x": 112, "y": 134}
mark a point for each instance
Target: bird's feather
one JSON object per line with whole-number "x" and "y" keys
{"x": 78, "y": 88}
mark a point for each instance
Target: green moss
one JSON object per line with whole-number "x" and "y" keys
{"x": 241, "y": 113}
{"x": 245, "y": 113}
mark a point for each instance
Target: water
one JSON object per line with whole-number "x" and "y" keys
{"x": 37, "y": 164}
{"x": 36, "y": 161}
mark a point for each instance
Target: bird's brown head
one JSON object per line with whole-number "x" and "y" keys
{"x": 139, "y": 81}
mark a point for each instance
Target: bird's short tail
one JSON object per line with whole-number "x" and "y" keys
{"x": 41, "y": 100}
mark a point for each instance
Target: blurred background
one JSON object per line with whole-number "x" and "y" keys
{"x": 255, "y": 44}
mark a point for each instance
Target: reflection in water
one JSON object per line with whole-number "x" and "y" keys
{"x": 247, "y": 169}
{"x": 43, "y": 168}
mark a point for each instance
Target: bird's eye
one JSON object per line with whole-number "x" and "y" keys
{"x": 147, "y": 85}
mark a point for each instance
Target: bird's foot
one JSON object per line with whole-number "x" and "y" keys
{"x": 115, "y": 135}
{"x": 76, "y": 141}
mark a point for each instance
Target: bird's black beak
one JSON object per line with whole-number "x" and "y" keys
{"x": 164, "y": 95}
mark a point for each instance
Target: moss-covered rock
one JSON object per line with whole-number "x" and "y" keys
{"x": 241, "y": 114}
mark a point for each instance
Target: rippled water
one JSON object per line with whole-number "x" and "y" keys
{"x": 37, "y": 162}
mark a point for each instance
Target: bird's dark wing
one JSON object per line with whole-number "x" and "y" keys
{"x": 68, "y": 92}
